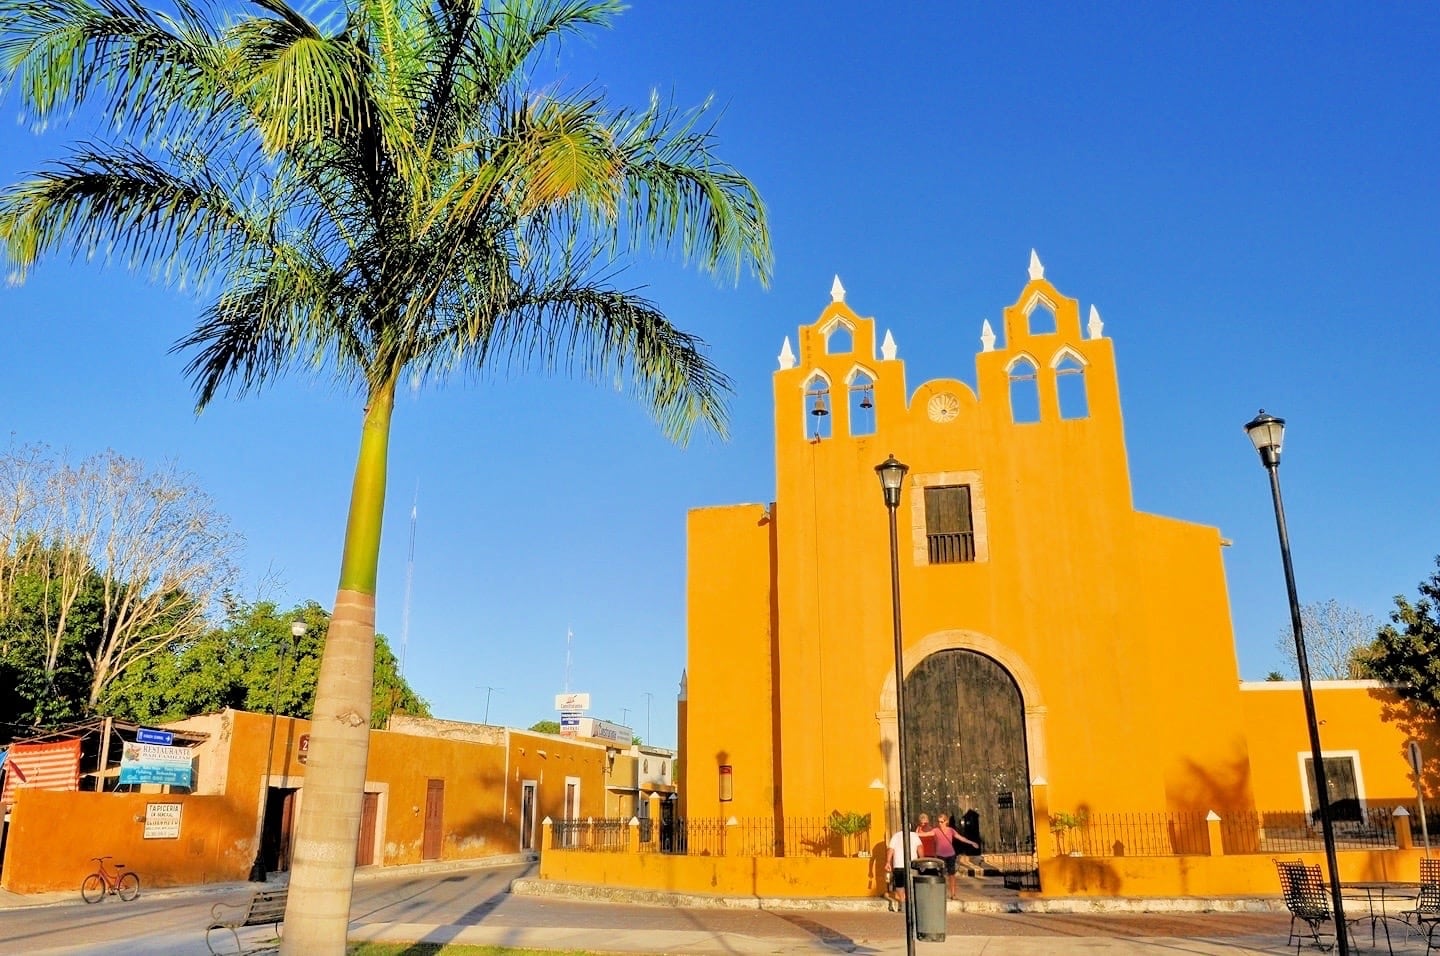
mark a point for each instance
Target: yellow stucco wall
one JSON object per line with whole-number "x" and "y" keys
{"x": 1114, "y": 623}
{"x": 53, "y": 833}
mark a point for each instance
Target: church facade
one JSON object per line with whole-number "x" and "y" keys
{"x": 1067, "y": 658}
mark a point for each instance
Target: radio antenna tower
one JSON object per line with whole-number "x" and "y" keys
{"x": 569, "y": 637}
{"x": 409, "y": 581}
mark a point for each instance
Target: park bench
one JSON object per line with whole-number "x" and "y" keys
{"x": 266, "y": 907}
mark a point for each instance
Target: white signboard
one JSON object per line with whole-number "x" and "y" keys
{"x": 162, "y": 821}
{"x": 604, "y": 730}
{"x": 572, "y": 701}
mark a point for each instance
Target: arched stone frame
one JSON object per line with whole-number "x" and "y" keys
{"x": 816, "y": 382}
{"x": 1038, "y": 300}
{"x": 861, "y": 378}
{"x": 1079, "y": 366}
{"x": 1023, "y": 370}
{"x": 836, "y": 324}
{"x": 956, "y": 639}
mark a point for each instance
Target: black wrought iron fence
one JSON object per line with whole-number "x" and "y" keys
{"x": 608, "y": 836}
{"x": 1287, "y": 831}
{"x": 1135, "y": 834}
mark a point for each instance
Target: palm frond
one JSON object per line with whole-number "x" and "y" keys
{"x": 116, "y": 201}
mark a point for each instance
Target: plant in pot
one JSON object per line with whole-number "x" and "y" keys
{"x": 848, "y": 826}
{"x": 1062, "y": 823}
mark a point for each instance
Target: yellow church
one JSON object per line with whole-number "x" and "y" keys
{"x": 1070, "y": 670}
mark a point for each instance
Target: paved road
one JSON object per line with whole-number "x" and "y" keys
{"x": 474, "y": 905}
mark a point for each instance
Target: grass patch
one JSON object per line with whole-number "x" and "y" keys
{"x": 453, "y": 949}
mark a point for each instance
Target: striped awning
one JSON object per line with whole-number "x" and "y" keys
{"x": 49, "y": 766}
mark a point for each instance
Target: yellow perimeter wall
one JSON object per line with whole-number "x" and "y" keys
{"x": 1114, "y": 623}
{"x": 53, "y": 834}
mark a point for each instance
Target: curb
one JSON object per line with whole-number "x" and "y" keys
{"x": 586, "y": 892}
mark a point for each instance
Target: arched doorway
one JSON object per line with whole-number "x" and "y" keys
{"x": 966, "y": 749}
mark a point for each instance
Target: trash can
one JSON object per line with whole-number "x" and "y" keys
{"x": 927, "y": 875}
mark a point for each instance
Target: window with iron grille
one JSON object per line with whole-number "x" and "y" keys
{"x": 949, "y": 524}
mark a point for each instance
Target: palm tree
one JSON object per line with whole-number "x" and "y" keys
{"x": 380, "y": 195}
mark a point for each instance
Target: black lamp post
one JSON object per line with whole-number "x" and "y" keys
{"x": 892, "y": 476}
{"x": 1267, "y": 432}
{"x": 257, "y": 868}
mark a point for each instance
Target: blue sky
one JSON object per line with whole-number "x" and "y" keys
{"x": 1248, "y": 192}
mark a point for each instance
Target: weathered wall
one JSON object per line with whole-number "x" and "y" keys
{"x": 54, "y": 835}
{"x": 799, "y": 878}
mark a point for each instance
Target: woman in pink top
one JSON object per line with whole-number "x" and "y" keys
{"x": 947, "y": 847}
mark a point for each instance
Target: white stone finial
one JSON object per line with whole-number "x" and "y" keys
{"x": 887, "y": 347}
{"x": 1037, "y": 271}
{"x": 1095, "y": 326}
{"x": 787, "y": 355}
{"x": 837, "y": 291}
{"x": 987, "y": 336}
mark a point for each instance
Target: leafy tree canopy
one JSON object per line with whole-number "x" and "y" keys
{"x": 252, "y": 662}
{"x": 1406, "y": 652}
{"x": 546, "y": 726}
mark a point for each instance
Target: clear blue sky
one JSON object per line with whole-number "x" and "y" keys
{"x": 1248, "y": 192}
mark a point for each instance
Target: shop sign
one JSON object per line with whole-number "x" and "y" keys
{"x": 162, "y": 821}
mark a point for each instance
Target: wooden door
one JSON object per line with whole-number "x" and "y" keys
{"x": 434, "y": 817}
{"x": 287, "y": 823}
{"x": 965, "y": 749}
{"x": 527, "y": 815}
{"x": 369, "y": 812}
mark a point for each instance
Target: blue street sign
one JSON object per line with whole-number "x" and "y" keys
{"x": 162, "y": 737}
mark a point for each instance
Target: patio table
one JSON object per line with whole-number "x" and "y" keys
{"x": 1376, "y": 895}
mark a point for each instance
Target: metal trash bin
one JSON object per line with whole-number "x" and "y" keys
{"x": 927, "y": 876}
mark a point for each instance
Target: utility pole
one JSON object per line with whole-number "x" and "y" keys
{"x": 488, "y": 691}
{"x": 648, "y": 695}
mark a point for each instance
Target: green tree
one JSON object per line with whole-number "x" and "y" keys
{"x": 252, "y": 662}
{"x": 384, "y": 196}
{"x": 546, "y": 726}
{"x": 1406, "y": 652}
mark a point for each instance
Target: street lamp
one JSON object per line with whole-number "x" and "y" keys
{"x": 1266, "y": 433}
{"x": 892, "y": 476}
{"x": 257, "y": 868}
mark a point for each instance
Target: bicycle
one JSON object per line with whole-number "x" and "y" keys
{"x": 125, "y": 885}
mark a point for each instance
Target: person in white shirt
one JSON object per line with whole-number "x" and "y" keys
{"x": 895, "y": 863}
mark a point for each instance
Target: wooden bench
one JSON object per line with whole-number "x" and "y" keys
{"x": 266, "y": 907}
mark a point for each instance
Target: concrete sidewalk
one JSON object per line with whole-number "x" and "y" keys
{"x": 467, "y": 903}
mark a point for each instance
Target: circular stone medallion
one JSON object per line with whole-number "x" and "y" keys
{"x": 943, "y": 407}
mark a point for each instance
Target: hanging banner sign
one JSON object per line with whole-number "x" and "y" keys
{"x": 569, "y": 723}
{"x": 572, "y": 701}
{"x": 152, "y": 763}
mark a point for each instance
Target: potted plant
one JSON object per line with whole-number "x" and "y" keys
{"x": 848, "y": 825}
{"x": 1062, "y": 823}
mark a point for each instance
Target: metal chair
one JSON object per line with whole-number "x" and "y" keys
{"x": 1425, "y": 916}
{"x": 1308, "y": 900}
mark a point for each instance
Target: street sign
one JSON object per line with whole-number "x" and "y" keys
{"x": 572, "y": 701}
{"x": 304, "y": 750}
{"x": 1417, "y": 762}
{"x": 162, "y": 737}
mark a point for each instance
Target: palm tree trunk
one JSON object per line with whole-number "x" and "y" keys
{"x": 321, "y": 879}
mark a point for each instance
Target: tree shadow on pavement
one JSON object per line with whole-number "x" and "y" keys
{"x": 826, "y": 935}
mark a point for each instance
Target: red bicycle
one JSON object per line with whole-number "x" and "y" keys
{"x": 125, "y": 885}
